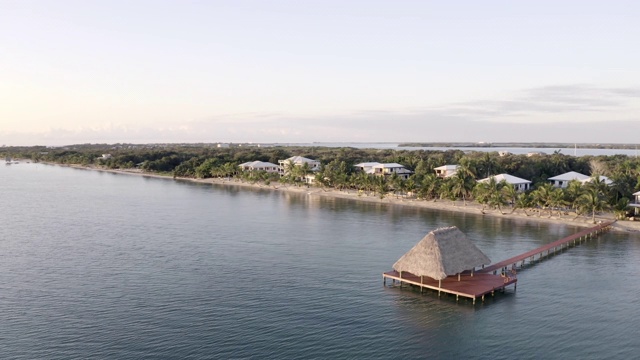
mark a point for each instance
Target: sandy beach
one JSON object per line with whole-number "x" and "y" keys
{"x": 442, "y": 205}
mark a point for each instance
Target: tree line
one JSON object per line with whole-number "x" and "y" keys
{"x": 337, "y": 171}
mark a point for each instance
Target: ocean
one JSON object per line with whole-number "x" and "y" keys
{"x": 103, "y": 265}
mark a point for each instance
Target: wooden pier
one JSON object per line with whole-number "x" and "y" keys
{"x": 549, "y": 249}
{"x": 476, "y": 284}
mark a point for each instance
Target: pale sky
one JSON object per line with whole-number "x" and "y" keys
{"x": 303, "y": 71}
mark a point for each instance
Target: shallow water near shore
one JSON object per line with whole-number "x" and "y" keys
{"x": 102, "y": 265}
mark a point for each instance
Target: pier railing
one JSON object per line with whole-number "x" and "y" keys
{"x": 554, "y": 246}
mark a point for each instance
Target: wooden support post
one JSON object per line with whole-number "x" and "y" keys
{"x": 458, "y": 276}
{"x": 474, "y": 301}
{"x": 384, "y": 280}
{"x": 472, "y": 272}
{"x": 482, "y": 298}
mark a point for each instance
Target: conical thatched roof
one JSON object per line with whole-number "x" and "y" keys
{"x": 443, "y": 252}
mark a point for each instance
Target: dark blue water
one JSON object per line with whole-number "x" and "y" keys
{"x": 99, "y": 265}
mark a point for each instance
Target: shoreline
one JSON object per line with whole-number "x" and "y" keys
{"x": 439, "y": 205}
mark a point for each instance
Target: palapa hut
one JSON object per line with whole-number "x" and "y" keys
{"x": 442, "y": 252}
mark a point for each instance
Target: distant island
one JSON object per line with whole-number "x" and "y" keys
{"x": 518, "y": 145}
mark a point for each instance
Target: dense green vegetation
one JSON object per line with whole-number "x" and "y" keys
{"x": 337, "y": 171}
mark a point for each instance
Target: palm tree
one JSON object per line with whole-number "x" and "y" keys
{"x": 410, "y": 185}
{"x": 572, "y": 192}
{"x": 510, "y": 194}
{"x": 523, "y": 201}
{"x": 620, "y": 208}
{"x": 303, "y": 171}
{"x": 542, "y": 196}
{"x": 396, "y": 183}
{"x": 430, "y": 187}
{"x": 490, "y": 193}
{"x": 290, "y": 172}
{"x": 592, "y": 201}
{"x": 556, "y": 200}
{"x": 458, "y": 188}
{"x": 481, "y": 193}
{"x": 381, "y": 186}
{"x": 496, "y": 197}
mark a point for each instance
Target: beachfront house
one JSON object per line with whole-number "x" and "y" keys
{"x": 562, "y": 181}
{"x": 299, "y": 161}
{"x": 446, "y": 171}
{"x": 366, "y": 167}
{"x": 636, "y": 203}
{"x": 386, "y": 169}
{"x": 518, "y": 183}
{"x": 389, "y": 169}
{"x": 259, "y": 166}
{"x": 314, "y": 165}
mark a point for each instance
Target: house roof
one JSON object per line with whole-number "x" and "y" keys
{"x": 257, "y": 164}
{"x": 601, "y": 178}
{"x": 447, "y": 167}
{"x": 510, "y": 179}
{"x": 442, "y": 252}
{"x": 389, "y": 165}
{"x": 300, "y": 160}
{"x": 571, "y": 175}
{"x": 367, "y": 164}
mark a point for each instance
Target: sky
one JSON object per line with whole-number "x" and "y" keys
{"x": 154, "y": 71}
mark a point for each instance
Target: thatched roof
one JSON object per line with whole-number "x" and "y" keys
{"x": 442, "y": 252}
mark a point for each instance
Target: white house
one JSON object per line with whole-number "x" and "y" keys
{"x": 391, "y": 168}
{"x": 446, "y": 171}
{"x": 314, "y": 165}
{"x": 636, "y": 203}
{"x": 366, "y": 166}
{"x": 518, "y": 183}
{"x": 562, "y": 181}
{"x": 260, "y": 166}
{"x": 380, "y": 169}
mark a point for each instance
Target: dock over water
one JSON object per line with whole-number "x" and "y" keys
{"x": 549, "y": 248}
{"x": 476, "y": 284}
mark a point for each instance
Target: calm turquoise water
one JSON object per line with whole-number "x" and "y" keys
{"x": 99, "y": 265}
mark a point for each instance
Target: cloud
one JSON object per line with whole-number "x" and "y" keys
{"x": 559, "y": 100}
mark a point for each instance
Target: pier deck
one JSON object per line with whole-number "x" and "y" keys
{"x": 473, "y": 287}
